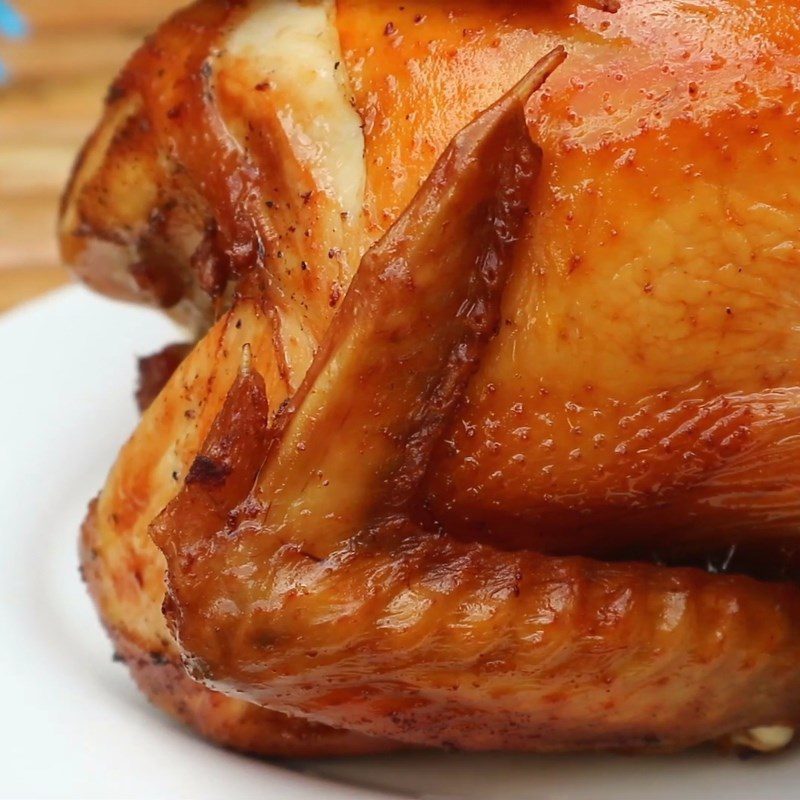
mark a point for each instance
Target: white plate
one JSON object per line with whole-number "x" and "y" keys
{"x": 74, "y": 724}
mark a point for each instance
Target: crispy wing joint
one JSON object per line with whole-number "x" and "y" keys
{"x": 318, "y": 588}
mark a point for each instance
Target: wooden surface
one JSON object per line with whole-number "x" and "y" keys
{"x": 59, "y": 75}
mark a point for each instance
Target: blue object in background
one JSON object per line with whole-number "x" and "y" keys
{"x": 12, "y": 25}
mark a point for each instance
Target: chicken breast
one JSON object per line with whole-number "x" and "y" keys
{"x": 641, "y": 393}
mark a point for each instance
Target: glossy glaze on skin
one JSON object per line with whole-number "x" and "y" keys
{"x": 125, "y": 581}
{"x": 661, "y": 259}
{"x": 662, "y": 256}
{"x": 641, "y": 394}
{"x": 319, "y": 595}
{"x": 124, "y": 571}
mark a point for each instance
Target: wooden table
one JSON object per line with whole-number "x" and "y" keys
{"x": 59, "y": 75}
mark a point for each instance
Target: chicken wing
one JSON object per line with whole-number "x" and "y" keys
{"x": 321, "y": 595}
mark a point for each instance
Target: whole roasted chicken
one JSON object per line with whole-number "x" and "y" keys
{"x": 489, "y": 433}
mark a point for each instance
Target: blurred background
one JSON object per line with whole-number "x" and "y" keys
{"x": 58, "y": 57}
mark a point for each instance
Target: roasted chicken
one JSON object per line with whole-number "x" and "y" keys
{"x": 480, "y": 494}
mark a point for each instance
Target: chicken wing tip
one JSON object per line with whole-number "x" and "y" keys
{"x": 538, "y": 74}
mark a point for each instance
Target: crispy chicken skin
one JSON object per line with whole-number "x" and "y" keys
{"x": 645, "y": 376}
{"x": 124, "y": 572}
{"x": 640, "y": 395}
{"x": 320, "y": 594}
{"x": 155, "y": 662}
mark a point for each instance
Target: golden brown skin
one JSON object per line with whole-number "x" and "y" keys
{"x": 623, "y": 406}
{"x": 155, "y": 663}
{"x": 642, "y": 392}
{"x": 320, "y": 594}
{"x": 623, "y": 393}
{"x": 125, "y": 572}
{"x": 113, "y": 216}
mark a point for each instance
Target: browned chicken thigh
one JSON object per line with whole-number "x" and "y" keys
{"x": 614, "y": 375}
